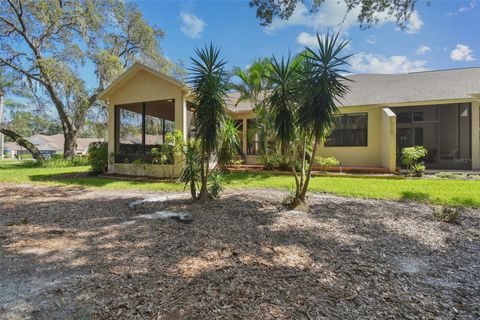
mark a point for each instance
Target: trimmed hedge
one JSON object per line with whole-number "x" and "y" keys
{"x": 98, "y": 157}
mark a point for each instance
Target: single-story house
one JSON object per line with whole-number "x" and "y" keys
{"x": 381, "y": 114}
{"x": 47, "y": 145}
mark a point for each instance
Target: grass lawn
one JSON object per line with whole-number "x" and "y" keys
{"x": 453, "y": 192}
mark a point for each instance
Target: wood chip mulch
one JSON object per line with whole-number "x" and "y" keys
{"x": 70, "y": 253}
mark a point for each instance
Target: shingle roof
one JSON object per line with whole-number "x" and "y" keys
{"x": 233, "y": 106}
{"x": 367, "y": 89}
{"x": 375, "y": 89}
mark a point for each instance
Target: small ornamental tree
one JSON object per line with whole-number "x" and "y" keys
{"x": 412, "y": 158}
{"x": 303, "y": 104}
{"x": 210, "y": 82}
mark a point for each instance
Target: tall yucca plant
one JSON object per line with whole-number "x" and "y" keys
{"x": 209, "y": 82}
{"x": 322, "y": 85}
{"x": 303, "y": 100}
{"x": 283, "y": 99}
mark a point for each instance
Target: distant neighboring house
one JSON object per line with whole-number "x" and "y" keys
{"x": 11, "y": 149}
{"x": 47, "y": 145}
{"x": 381, "y": 114}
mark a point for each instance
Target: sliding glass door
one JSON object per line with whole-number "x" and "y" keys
{"x": 444, "y": 130}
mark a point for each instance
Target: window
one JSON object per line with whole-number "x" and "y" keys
{"x": 130, "y": 129}
{"x": 253, "y": 146}
{"x": 140, "y": 127}
{"x": 349, "y": 130}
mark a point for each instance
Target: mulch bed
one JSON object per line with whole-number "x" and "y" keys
{"x": 68, "y": 253}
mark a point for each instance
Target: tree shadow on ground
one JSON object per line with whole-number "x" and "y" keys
{"x": 242, "y": 256}
{"x": 415, "y": 196}
{"x": 85, "y": 180}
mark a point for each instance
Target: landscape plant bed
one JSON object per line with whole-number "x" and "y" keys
{"x": 277, "y": 171}
{"x": 127, "y": 177}
{"x": 71, "y": 253}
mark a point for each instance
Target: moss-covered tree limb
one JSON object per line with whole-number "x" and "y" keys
{"x": 22, "y": 142}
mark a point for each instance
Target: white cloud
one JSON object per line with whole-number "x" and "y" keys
{"x": 310, "y": 39}
{"x": 371, "y": 39}
{"x": 306, "y": 39}
{"x": 192, "y": 26}
{"x": 423, "y": 49}
{"x": 375, "y": 63}
{"x": 468, "y": 7}
{"x": 462, "y": 53}
{"x": 415, "y": 23}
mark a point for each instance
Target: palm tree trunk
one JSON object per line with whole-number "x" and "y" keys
{"x": 304, "y": 149}
{"x": 203, "y": 196}
{"x": 309, "y": 172}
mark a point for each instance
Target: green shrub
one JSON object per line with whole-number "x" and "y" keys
{"x": 56, "y": 162}
{"x": 98, "y": 157}
{"x": 289, "y": 199}
{"x": 412, "y": 158}
{"x": 284, "y": 165}
{"x": 269, "y": 161}
{"x": 162, "y": 154}
{"x": 298, "y": 165}
{"x": 215, "y": 181}
{"x": 238, "y": 162}
{"x": 447, "y": 214}
{"x": 327, "y": 161}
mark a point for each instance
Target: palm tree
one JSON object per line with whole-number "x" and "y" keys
{"x": 303, "y": 100}
{"x": 323, "y": 85}
{"x": 253, "y": 87}
{"x": 209, "y": 82}
{"x": 229, "y": 143}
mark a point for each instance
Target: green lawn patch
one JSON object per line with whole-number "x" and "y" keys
{"x": 437, "y": 191}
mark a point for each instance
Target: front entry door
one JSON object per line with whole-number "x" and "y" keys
{"x": 404, "y": 139}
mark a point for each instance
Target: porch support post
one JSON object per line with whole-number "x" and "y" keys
{"x": 180, "y": 113}
{"x": 475, "y": 118}
{"x": 112, "y": 131}
{"x": 244, "y": 136}
{"x": 389, "y": 139}
{"x": 184, "y": 116}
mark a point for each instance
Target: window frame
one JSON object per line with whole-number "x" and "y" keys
{"x": 116, "y": 145}
{"x": 343, "y": 144}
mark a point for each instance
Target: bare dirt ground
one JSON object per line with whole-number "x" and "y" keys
{"x": 69, "y": 253}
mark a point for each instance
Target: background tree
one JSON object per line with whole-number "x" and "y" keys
{"x": 229, "y": 144}
{"x": 371, "y": 11}
{"x": 6, "y": 85}
{"x": 27, "y": 123}
{"x": 303, "y": 102}
{"x": 210, "y": 82}
{"x": 253, "y": 86}
{"x": 48, "y": 42}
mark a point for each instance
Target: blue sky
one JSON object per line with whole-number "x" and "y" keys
{"x": 444, "y": 35}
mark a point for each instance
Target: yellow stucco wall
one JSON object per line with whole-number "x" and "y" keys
{"x": 381, "y": 146}
{"x": 143, "y": 86}
{"x": 370, "y": 155}
{"x": 476, "y": 135}
{"x": 389, "y": 137}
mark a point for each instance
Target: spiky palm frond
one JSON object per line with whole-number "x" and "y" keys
{"x": 209, "y": 81}
{"x": 282, "y": 99}
{"x": 323, "y": 83}
{"x": 229, "y": 142}
{"x": 253, "y": 81}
